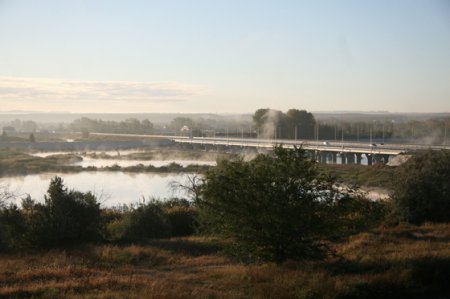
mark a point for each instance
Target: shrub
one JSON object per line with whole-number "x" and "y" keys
{"x": 422, "y": 188}
{"x": 66, "y": 218}
{"x": 182, "y": 217}
{"x": 271, "y": 208}
{"x": 12, "y": 228}
{"x": 146, "y": 221}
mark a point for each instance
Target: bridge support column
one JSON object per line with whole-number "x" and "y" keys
{"x": 377, "y": 159}
{"x": 358, "y": 158}
{"x": 369, "y": 159}
{"x": 327, "y": 157}
{"x": 323, "y": 156}
{"x": 334, "y": 158}
{"x": 311, "y": 154}
{"x": 343, "y": 158}
{"x": 320, "y": 156}
{"x": 385, "y": 159}
{"x": 350, "y": 158}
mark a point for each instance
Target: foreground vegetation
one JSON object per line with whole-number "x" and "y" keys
{"x": 401, "y": 262}
{"x": 244, "y": 215}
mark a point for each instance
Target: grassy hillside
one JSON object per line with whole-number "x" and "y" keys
{"x": 401, "y": 262}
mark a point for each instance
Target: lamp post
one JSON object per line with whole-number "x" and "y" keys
{"x": 335, "y": 132}
{"x": 317, "y": 133}
{"x": 445, "y": 134}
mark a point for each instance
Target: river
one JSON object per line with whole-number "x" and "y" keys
{"x": 111, "y": 188}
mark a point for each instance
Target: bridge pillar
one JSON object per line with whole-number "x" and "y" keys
{"x": 343, "y": 158}
{"x": 377, "y": 159}
{"x": 350, "y": 158}
{"x": 369, "y": 159}
{"x": 327, "y": 158}
{"x": 385, "y": 159}
{"x": 319, "y": 157}
{"x": 323, "y": 156}
{"x": 311, "y": 154}
{"x": 358, "y": 158}
{"x": 334, "y": 158}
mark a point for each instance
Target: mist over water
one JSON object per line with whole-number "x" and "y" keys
{"x": 87, "y": 162}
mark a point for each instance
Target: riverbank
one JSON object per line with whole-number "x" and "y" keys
{"x": 401, "y": 262}
{"x": 15, "y": 162}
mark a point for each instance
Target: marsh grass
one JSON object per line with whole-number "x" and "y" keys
{"x": 401, "y": 262}
{"x": 362, "y": 175}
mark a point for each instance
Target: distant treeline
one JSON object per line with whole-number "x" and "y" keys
{"x": 300, "y": 124}
{"x": 265, "y": 123}
{"x": 128, "y": 126}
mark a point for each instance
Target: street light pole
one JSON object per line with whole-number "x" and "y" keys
{"x": 445, "y": 135}
{"x": 335, "y": 132}
{"x": 317, "y": 133}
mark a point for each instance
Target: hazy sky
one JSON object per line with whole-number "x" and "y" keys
{"x": 224, "y": 55}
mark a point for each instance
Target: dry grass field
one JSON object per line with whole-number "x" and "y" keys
{"x": 401, "y": 262}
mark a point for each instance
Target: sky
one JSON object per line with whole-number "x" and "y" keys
{"x": 224, "y": 56}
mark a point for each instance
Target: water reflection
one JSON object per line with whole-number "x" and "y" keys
{"x": 111, "y": 188}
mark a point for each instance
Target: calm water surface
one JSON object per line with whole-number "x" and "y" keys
{"x": 98, "y": 162}
{"x": 111, "y": 188}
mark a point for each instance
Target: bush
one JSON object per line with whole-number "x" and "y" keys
{"x": 271, "y": 208}
{"x": 357, "y": 213}
{"x": 146, "y": 221}
{"x": 12, "y": 228}
{"x": 422, "y": 188}
{"x": 182, "y": 217}
{"x": 67, "y": 217}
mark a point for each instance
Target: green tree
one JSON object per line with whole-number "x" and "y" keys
{"x": 68, "y": 217}
{"x": 300, "y": 122}
{"x": 422, "y": 188}
{"x": 271, "y": 123}
{"x": 12, "y": 228}
{"x": 275, "y": 207}
{"x": 32, "y": 138}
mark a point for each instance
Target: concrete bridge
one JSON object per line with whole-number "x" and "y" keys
{"x": 322, "y": 151}
{"x": 344, "y": 152}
